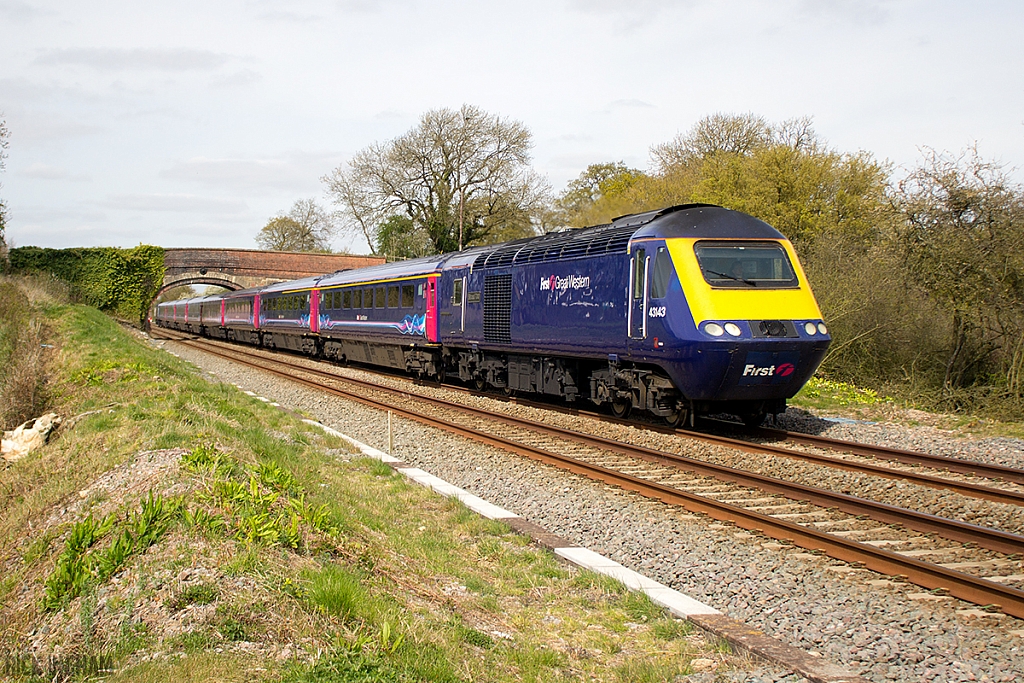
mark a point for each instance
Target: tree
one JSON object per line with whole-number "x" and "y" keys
{"x": 604, "y": 183}
{"x": 398, "y": 238}
{"x": 781, "y": 173}
{"x": 961, "y": 237}
{"x": 4, "y": 141}
{"x": 307, "y": 227}
{"x": 461, "y": 177}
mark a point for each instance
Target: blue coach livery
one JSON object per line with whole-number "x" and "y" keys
{"x": 686, "y": 310}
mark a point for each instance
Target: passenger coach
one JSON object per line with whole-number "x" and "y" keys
{"x": 686, "y": 310}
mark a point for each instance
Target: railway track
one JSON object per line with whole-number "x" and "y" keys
{"x": 971, "y": 562}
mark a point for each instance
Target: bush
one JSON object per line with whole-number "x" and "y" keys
{"x": 120, "y": 281}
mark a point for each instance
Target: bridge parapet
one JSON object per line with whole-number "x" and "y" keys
{"x": 244, "y": 268}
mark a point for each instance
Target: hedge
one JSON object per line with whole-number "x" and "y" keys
{"x": 120, "y": 281}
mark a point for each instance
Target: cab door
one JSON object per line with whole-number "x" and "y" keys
{"x": 452, "y": 307}
{"x": 639, "y": 264}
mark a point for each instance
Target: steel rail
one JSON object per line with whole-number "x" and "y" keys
{"x": 964, "y": 586}
{"x": 970, "y": 489}
{"x": 945, "y": 462}
{"x": 987, "y": 537}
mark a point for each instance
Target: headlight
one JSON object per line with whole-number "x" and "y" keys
{"x": 822, "y": 328}
{"x": 733, "y": 329}
{"x": 809, "y": 328}
{"x": 714, "y": 329}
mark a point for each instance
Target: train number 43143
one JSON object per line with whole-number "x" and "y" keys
{"x": 656, "y": 312}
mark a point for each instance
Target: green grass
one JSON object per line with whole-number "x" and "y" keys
{"x": 378, "y": 578}
{"x": 335, "y": 591}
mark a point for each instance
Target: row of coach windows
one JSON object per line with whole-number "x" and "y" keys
{"x": 236, "y": 308}
{"x": 370, "y": 297}
{"x": 295, "y": 302}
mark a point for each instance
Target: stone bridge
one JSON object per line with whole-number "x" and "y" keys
{"x": 243, "y": 268}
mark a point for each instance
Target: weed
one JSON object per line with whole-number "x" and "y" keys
{"x": 232, "y": 629}
{"x": 202, "y": 521}
{"x": 346, "y": 665}
{"x": 196, "y": 594}
{"x": 533, "y": 660}
{"x": 475, "y": 637}
{"x": 648, "y": 671}
{"x": 335, "y": 591}
{"x": 206, "y": 458}
{"x": 272, "y": 476}
{"x": 592, "y": 580}
{"x": 640, "y": 608}
{"x": 113, "y": 558}
{"x": 379, "y": 468}
{"x": 193, "y": 641}
{"x": 668, "y": 628}
{"x": 388, "y": 641}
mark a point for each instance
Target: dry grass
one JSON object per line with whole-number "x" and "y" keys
{"x": 23, "y": 355}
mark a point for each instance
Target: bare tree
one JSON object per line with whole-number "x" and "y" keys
{"x": 459, "y": 176}
{"x": 718, "y": 133}
{"x": 4, "y": 141}
{"x": 307, "y": 227}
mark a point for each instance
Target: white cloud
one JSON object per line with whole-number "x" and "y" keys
{"x": 116, "y": 59}
{"x": 240, "y": 78}
{"x": 20, "y": 11}
{"x": 175, "y": 203}
{"x": 43, "y": 171}
{"x": 295, "y": 172}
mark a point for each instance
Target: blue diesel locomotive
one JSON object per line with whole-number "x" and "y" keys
{"x": 687, "y": 310}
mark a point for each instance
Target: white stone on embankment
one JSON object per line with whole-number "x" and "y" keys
{"x": 28, "y": 436}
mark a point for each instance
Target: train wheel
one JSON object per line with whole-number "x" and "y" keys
{"x": 508, "y": 391}
{"x": 480, "y": 384}
{"x": 621, "y": 407}
{"x": 678, "y": 418}
{"x": 755, "y": 419}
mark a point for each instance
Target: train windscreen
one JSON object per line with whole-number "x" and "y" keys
{"x": 746, "y": 264}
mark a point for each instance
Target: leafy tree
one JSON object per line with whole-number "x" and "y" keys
{"x": 307, "y": 227}
{"x": 398, "y": 238}
{"x": 782, "y": 173}
{"x": 961, "y": 237}
{"x": 462, "y": 177}
{"x": 605, "y": 183}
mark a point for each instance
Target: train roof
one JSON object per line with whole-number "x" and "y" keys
{"x": 388, "y": 271}
{"x": 700, "y": 221}
{"x": 292, "y": 285}
{"x": 686, "y": 220}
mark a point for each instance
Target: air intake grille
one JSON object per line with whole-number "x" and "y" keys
{"x": 497, "y": 308}
{"x": 559, "y": 246}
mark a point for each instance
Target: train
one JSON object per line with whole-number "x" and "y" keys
{"x": 688, "y": 310}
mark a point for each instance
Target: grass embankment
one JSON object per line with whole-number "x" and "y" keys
{"x": 22, "y": 350}
{"x": 181, "y": 530}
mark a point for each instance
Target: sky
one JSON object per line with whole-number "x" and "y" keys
{"x": 191, "y": 124}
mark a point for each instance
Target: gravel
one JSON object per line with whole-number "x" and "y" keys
{"x": 881, "y": 628}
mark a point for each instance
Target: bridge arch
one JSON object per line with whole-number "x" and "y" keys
{"x": 199, "y": 280}
{"x": 236, "y": 269}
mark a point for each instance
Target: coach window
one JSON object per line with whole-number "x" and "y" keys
{"x": 407, "y": 296}
{"x": 392, "y": 297}
{"x": 379, "y": 298}
{"x": 457, "y": 292}
{"x": 367, "y": 298}
{"x": 639, "y": 274}
{"x": 662, "y": 274}
{"x": 346, "y": 299}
